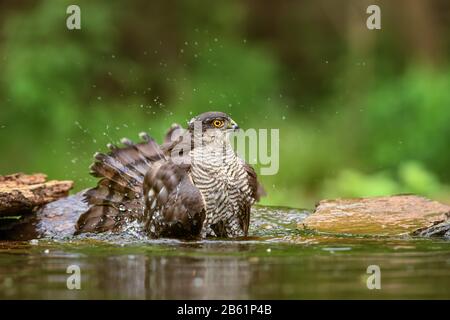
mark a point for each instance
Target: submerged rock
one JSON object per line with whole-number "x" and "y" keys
{"x": 58, "y": 219}
{"x": 384, "y": 216}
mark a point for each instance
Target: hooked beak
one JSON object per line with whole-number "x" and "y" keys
{"x": 233, "y": 125}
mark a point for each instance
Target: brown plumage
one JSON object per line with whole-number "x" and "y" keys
{"x": 185, "y": 188}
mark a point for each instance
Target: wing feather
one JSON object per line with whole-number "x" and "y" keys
{"x": 174, "y": 205}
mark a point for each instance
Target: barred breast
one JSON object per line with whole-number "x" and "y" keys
{"x": 220, "y": 176}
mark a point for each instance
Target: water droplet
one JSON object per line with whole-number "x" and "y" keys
{"x": 198, "y": 282}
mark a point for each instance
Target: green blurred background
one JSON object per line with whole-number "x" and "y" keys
{"x": 360, "y": 112}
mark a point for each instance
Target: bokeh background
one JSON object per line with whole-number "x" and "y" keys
{"x": 361, "y": 112}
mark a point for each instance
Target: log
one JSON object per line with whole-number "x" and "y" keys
{"x": 21, "y": 193}
{"x": 385, "y": 216}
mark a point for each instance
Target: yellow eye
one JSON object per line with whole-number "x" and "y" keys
{"x": 218, "y": 123}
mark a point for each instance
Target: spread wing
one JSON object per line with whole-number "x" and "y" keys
{"x": 174, "y": 205}
{"x": 118, "y": 195}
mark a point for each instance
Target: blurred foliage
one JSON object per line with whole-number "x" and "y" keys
{"x": 360, "y": 112}
{"x": 411, "y": 177}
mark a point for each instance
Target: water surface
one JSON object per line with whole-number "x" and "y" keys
{"x": 277, "y": 262}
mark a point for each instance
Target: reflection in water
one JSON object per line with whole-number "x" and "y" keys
{"x": 226, "y": 270}
{"x": 175, "y": 277}
{"x": 130, "y": 277}
{"x": 198, "y": 278}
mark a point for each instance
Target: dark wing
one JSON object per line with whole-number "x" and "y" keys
{"x": 256, "y": 192}
{"x": 174, "y": 206}
{"x": 256, "y": 188}
{"x": 118, "y": 196}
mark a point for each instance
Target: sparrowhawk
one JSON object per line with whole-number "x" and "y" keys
{"x": 192, "y": 186}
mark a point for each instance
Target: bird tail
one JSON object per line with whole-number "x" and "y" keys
{"x": 118, "y": 196}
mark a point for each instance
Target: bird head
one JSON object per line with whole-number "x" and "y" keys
{"x": 213, "y": 126}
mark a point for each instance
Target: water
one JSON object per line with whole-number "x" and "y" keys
{"x": 277, "y": 262}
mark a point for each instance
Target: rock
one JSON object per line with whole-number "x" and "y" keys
{"x": 438, "y": 230}
{"x": 58, "y": 219}
{"x": 391, "y": 215}
{"x": 21, "y": 193}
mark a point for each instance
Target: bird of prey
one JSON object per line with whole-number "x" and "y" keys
{"x": 192, "y": 186}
